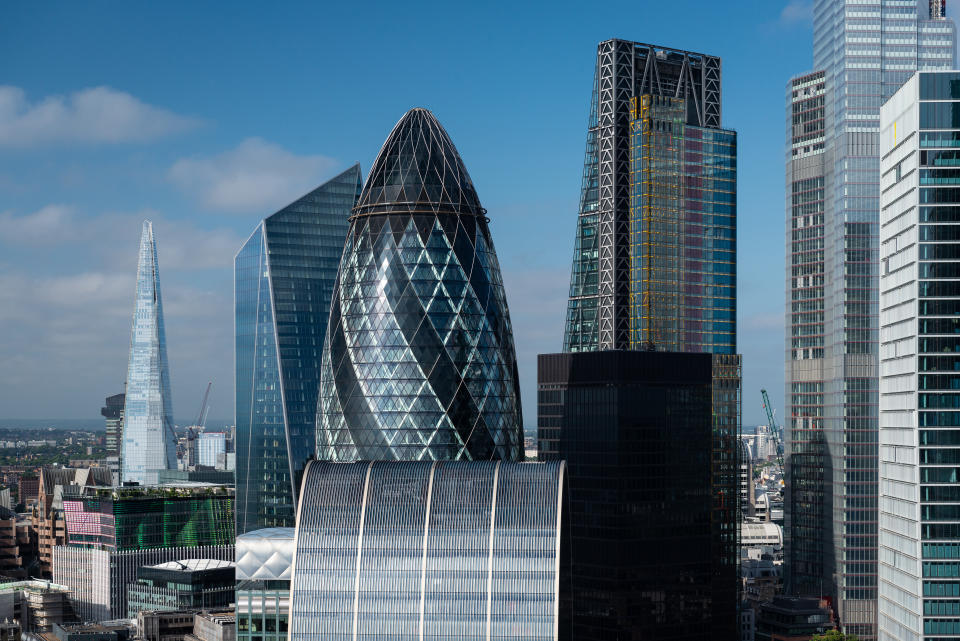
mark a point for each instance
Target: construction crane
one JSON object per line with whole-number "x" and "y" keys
{"x": 774, "y": 428}
{"x": 196, "y": 428}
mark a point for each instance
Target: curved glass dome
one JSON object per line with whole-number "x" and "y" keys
{"x": 419, "y": 363}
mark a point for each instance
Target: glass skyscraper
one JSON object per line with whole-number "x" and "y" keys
{"x": 654, "y": 258}
{"x": 654, "y": 264}
{"x": 284, "y": 278}
{"x": 863, "y": 51}
{"x": 635, "y": 429}
{"x": 149, "y": 442}
{"x": 438, "y": 550}
{"x": 419, "y": 363}
{"x": 919, "y": 556}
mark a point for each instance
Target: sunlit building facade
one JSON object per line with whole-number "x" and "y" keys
{"x": 149, "y": 442}
{"x": 419, "y": 362}
{"x": 919, "y": 556}
{"x": 864, "y": 51}
{"x": 437, "y": 550}
{"x": 284, "y": 277}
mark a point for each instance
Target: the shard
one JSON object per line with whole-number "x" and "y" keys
{"x": 149, "y": 441}
{"x": 419, "y": 362}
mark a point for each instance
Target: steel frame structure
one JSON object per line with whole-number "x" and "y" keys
{"x": 625, "y": 70}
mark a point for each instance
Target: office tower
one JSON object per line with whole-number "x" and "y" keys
{"x": 264, "y": 567}
{"x": 149, "y": 442}
{"x": 832, "y": 213}
{"x": 431, "y": 550}
{"x": 284, "y": 277}
{"x": 654, "y": 264}
{"x": 210, "y": 445}
{"x": 919, "y": 383}
{"x": 112, "y": 532}
{"x": 635, "y": 429}
{"x": 47, "y": 515}
{"x": 419, "y": 363}
{"x": 808, "y": 515}
{"x": 655, "y": 252}
{"x": 188, "y": 584}
{"x": 113, "y": 413}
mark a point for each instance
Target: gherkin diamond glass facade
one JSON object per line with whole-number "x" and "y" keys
{"x": 285, "y": 275}
{"x": 419, "y": 363}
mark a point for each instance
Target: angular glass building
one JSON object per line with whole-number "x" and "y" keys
{"x": 469, "y": 550}
{"x": 149, "y": 442}
{"x": 419, "y": 363}
{"x": 831, "y": 351}
{"x": 284, "y": 277}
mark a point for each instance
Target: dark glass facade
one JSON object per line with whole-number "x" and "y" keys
{"x": 635, "y": 429}
{"x": 467, "y": 550}
{"x": 191, "y": 584}
{"x": 125, "y": 519}
{"x": 419, "y": 363}
{"x": 112, "y": 412}
{"x": 283, "y": 284}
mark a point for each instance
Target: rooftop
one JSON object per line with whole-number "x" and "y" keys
{"x": 194, "y": 565}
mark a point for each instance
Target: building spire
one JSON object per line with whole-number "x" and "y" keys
{"x": 149, "y": 441}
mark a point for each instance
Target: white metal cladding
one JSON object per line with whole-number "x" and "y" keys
{"x": 265, "y": 554}
{"x": 427, "y": 550}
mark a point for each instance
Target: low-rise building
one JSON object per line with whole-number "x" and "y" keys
{"x": 10, "y": 631}
{"x": 47, "y": 515}
{"x": 189, "y": 584}
{"x": 91, "y": 632}
{"x": 793, "y": 618}
{"x": 214, "y": 626}
{"x": 264, "y": 567}
{"x": 36, "y": 605}
{"x": 113, "y": 532}
{"x": 164, "y": 625}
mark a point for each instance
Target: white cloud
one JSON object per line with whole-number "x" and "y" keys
{"x": 255, "y": 176}
{"x": 50, "y": 225}
{"x": 111, "y": 238}
{"x": 71, "y": 333}
{"x": 797, "y": 11}
{"x": 95, "y": 115}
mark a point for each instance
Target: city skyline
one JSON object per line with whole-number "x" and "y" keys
{"x": 201, "y": 141}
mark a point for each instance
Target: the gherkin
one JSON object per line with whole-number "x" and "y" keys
{"x": 419, "y": 362}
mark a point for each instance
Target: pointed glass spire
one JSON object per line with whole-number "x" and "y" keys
{"x": 149, "y": 442}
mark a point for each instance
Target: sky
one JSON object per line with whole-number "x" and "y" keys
{"x": 205, "y": 118}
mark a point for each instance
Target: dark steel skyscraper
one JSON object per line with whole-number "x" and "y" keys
{"x": 654, "y": 264}
{"x": 284, "y": 280}
{"x": 419, "y": 363}
{"x": 654, "y": 259}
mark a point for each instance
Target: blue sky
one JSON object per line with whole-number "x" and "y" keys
{"x": 206, "y": 117}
